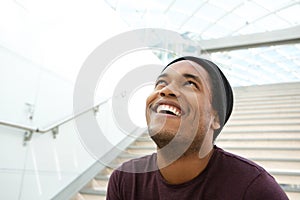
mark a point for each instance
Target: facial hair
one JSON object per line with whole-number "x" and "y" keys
{"x": 161, "y": 139}
{"x": 177, "y": 144}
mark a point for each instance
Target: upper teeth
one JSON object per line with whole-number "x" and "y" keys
{"x": 168, "y": 108}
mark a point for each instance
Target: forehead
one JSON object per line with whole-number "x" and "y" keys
{"x": 188, "y": 67}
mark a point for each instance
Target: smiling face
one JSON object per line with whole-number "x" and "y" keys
{"x": 180, "y": 107}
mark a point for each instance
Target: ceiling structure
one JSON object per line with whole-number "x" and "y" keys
{"x": 253, "y": 41}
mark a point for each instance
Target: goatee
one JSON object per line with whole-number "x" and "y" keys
{"x": 176, "y": 145}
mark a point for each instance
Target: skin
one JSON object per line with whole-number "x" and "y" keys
{"x": 186, "y": 86}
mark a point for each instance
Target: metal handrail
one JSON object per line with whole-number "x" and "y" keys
{"x": 53, "y": 127}
{"x": 18, "y": 126}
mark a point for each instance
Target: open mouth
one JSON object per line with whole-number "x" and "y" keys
{"x": 168, "y": 109}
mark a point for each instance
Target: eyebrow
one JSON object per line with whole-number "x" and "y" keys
{"x": 195, "y": 77}
{"x": 162, "y": 75}
{"x": 186, "y": 75}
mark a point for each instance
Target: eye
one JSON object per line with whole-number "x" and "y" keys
{"x": 160, "y": 83}
{"x": 191, "y": 84}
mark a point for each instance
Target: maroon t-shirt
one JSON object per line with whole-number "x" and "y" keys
{"x": 226, "y": 177}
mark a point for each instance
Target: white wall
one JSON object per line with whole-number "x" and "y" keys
{"x": 42, "y": 47}
{"x": 41, "y": 168}
{"x": 23, "y": 82}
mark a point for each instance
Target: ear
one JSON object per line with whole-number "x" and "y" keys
{"x": 216, "y": 121}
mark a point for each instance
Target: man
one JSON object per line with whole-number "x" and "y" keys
{"x": 191, "y": 102}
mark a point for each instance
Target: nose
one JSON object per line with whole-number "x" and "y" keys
{"x": 168, "y": 91}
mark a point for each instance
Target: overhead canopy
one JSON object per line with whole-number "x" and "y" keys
{"x": 254, "y": 42}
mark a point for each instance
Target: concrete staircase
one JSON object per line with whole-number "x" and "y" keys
{"x": 264, "y": 127}
{"x": 96, "y": 188}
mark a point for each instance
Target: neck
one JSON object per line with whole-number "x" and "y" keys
{"x": 185, "y": 168}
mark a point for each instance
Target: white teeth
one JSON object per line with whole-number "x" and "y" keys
{"x": 172, "y": 109}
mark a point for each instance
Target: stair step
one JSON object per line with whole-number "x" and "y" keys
{"x": 262, "y": 123}
{"x": 267, "y": 98}
{"x": 265, "y": 127}
{"x": 293, "y": 195}
{"x": 257, "y": 136}
{"x": 261, "y": 119}
{"x": 130, "y": 155}
{"x": 263, "y": 148}
{"x": 291, "y": 188}
{"x": 254, "y": 152}
{"x": 278, "y": 164}
{"x": 101, "y": 180}
{"x": 259, "y": 112}
{"x": 283, "y": 179}
{"x": 242, "y": 131}
{"x": 92, "y": 197}
{"x": 254, "y": 138}
{"x": 266, "y": 122}
{"x": 102, "y": 177}
{"x": 276, "y": 143}
{"x": 145, "y": 143}
{"x": 263, "y": 92}
{"x": 270, "y": 104}
{"x": 119, "y": 160}
{"x": 268, "y": 101}
{"x": 290, "y": 177}
{"x": 144, "y": 138}
{"x": 79, "y": 196}
{"x": 100, "y": 191}
{"x": 106, "y": 171}
{"x": 141, "y": 149}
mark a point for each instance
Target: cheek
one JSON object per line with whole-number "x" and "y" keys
{"x": 196, "y": 102}
{"x": 201, "y": 107}
{"x": 149, "y": 101}
{"x": 150, "y": 98}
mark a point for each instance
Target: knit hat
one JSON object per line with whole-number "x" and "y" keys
{"x": 222, "y": 95}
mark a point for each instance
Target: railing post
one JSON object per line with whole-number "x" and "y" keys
{"x": 27, "y": 137}
{"x": 96, "y": 109}
{"x": 55, "y": 132}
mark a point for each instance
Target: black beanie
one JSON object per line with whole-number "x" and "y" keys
{"x": 222, "y": 95}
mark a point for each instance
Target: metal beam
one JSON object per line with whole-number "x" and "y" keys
{"x": 284, "y": 36}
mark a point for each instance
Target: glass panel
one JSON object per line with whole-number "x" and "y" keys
{"x": 195, "y": 25}
{"x": 250, "y": 11}
{"x": 210, "y": 12}
{"x": 270, "y": 64}
{"x": 232, "y": 22}
{"x": 175, "y": 18}
{"x": 291, "y": 14}
{"x": 271, "y": 4}
{"x": 268, "y": 22}
{"x": 226, "y": 5}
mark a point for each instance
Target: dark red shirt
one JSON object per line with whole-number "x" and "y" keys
{"x": 226, "y": 177}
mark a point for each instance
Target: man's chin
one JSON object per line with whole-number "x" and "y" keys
{"x": 175, "y": 145}
{"x": 161, "y": 138}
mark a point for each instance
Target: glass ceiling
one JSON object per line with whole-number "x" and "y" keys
{"x": 262, "y": 65}
{"x": 213, "y": 19}
{"x": 42, "y": 31}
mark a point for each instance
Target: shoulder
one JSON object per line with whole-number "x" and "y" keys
{"x": 237, "y": 163}
{"x": 140, "y": 165}
{"x": 264, "y": 186}
{"x": 133, "y": 178}
{"x": 248, "y": 176}
{"x": 125, "y": 175}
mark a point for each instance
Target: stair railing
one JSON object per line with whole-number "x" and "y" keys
{"x": 54, "y": 128}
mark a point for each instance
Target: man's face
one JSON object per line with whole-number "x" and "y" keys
{"x": 180, "y": 105}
